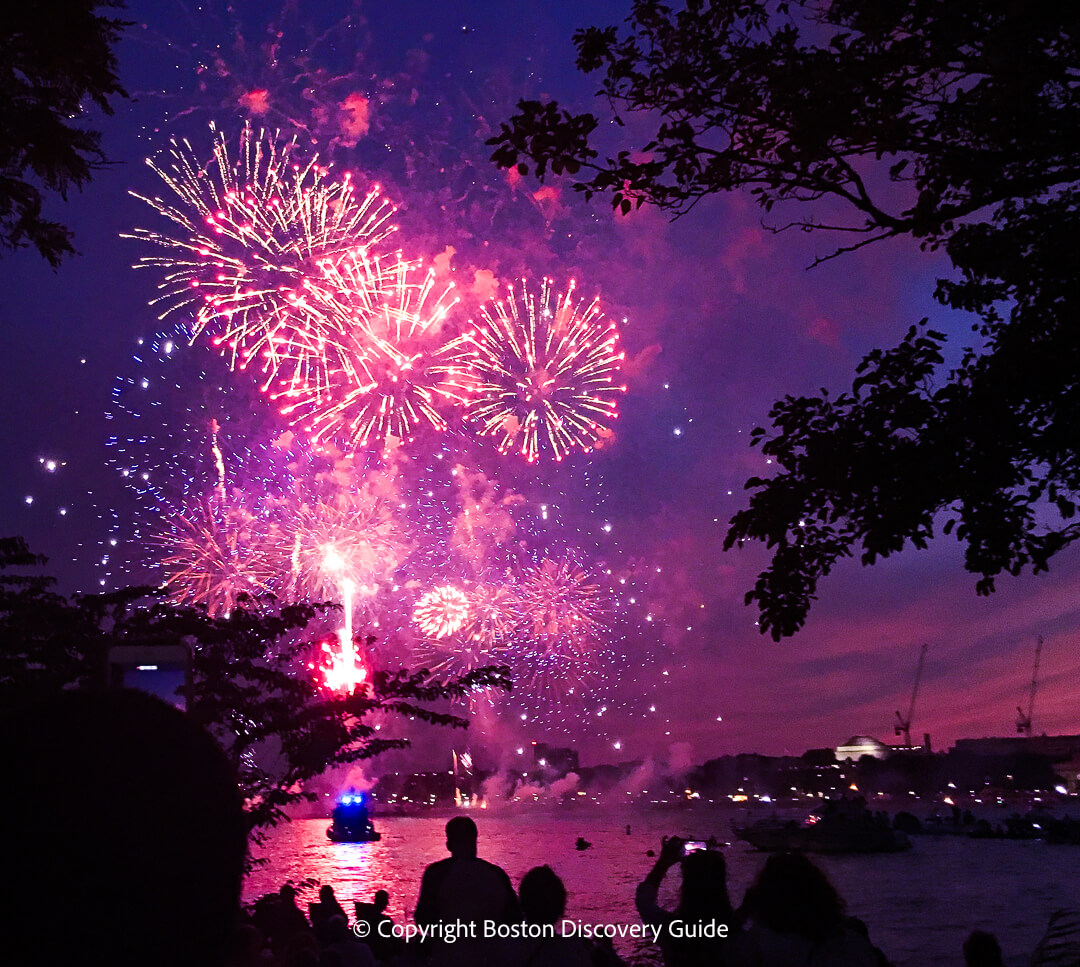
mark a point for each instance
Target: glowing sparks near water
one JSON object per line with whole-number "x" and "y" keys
{"x": 253, "y": 231}
{"x": 441, "y": 612}
{"x": 542, "y": 373}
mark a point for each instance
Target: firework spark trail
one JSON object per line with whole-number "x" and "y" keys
{"x": 442, "y": 611}
{"x": 388, "y": 372}
{"x": 254, "y": 233}
{"x": 212, "y": 555}
{"x": 540, "y": 372}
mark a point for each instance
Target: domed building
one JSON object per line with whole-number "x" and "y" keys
{"x": 859, "y": 745}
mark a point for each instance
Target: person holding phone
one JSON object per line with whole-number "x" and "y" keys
{"x": 691, "y": 934}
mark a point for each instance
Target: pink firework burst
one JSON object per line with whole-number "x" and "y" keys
{"x": 389, "y": 371}
{"x": 562, "y": 629}
{"x": 442, "y": 611}
{"x": 541, "y": 372}
{"x": 213, "y": 555}
{"x": 252, "y": 234}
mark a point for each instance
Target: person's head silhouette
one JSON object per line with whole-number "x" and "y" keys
{"x": 128, "y": 813}
{"x": 704, "y": 884}
{"x": 792, "y": 895}
{"x": 542, "y": 895}
{"x": 461, "y": 837}
{"x": 981, "y": 949}
{"x": 380, "y": 901}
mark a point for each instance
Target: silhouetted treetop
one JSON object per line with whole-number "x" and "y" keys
{"x": 956, "y": 124}
{"x": 54, "y": 58}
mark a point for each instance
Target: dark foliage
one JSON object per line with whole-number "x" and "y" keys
{"x": 250, "y": 684}
{"x": 54, "y": 58}
{"x": 956, "y": 124}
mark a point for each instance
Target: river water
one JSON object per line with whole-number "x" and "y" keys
{"x": 919, "y": 905}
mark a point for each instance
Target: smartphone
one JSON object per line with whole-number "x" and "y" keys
{"x": 693, "y": 846}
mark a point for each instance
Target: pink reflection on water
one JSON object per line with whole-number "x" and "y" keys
{"x": 600, "y": 881}
{"x": 919, "y": 905}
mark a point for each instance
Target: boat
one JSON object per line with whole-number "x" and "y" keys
{"x": 351, "y": 821}
{"x": 839, "y": 826}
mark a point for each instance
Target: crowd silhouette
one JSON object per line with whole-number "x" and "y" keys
{"x": 158, "y": 880}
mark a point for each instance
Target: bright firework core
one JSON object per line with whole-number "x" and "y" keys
{"x": 441, "y": 612}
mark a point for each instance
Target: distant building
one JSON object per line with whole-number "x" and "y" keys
{"x": 1056, "y": 748}
{"x": 859, "y": 745}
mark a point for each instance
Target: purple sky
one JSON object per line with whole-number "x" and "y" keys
{"x": 723, "y": 319}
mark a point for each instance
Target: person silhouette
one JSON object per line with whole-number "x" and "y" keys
{"x": 703, "y": 901}
{"x": 543, "y": 902}
{"x": 383, "y": 945}
{"x": 290, "y": 919}
{"x": 121, "y": 805}
{"x": 796, "y": 916}
{"x": 463, "y": 892}
{"x": 322, "y": 910}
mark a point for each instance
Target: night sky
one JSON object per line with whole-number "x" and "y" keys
{"x": 723, "y": 317}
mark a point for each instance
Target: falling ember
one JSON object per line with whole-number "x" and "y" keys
{"x": 540, "y": 372}
{"x": 252, "y": 232}
{"x": 441, "y": 612}
{"x": 342, "y": 668}
{"x": 219, "y": 460}
{"x": 344, "y": 671}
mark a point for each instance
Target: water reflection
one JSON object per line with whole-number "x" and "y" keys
{"x": 919, "y": 905}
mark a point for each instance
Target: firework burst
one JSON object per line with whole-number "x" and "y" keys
{"x": 256, "y": 234}
{"x": 442, "y": 611}
{"x": 482, "y": 638}
{"x": 389, "y": 368}
{"x": 493, "y": 611}
{"x": 562, "y": 606}
{"x": 541, "y": 372}
{"x": 215, "y": 554}
{"x": 562, "y": 628}
{"x": 350, "y": 538}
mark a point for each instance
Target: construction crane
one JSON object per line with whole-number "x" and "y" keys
{"x": 903, "y": 725}
{"x": 1023, "y": 722}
